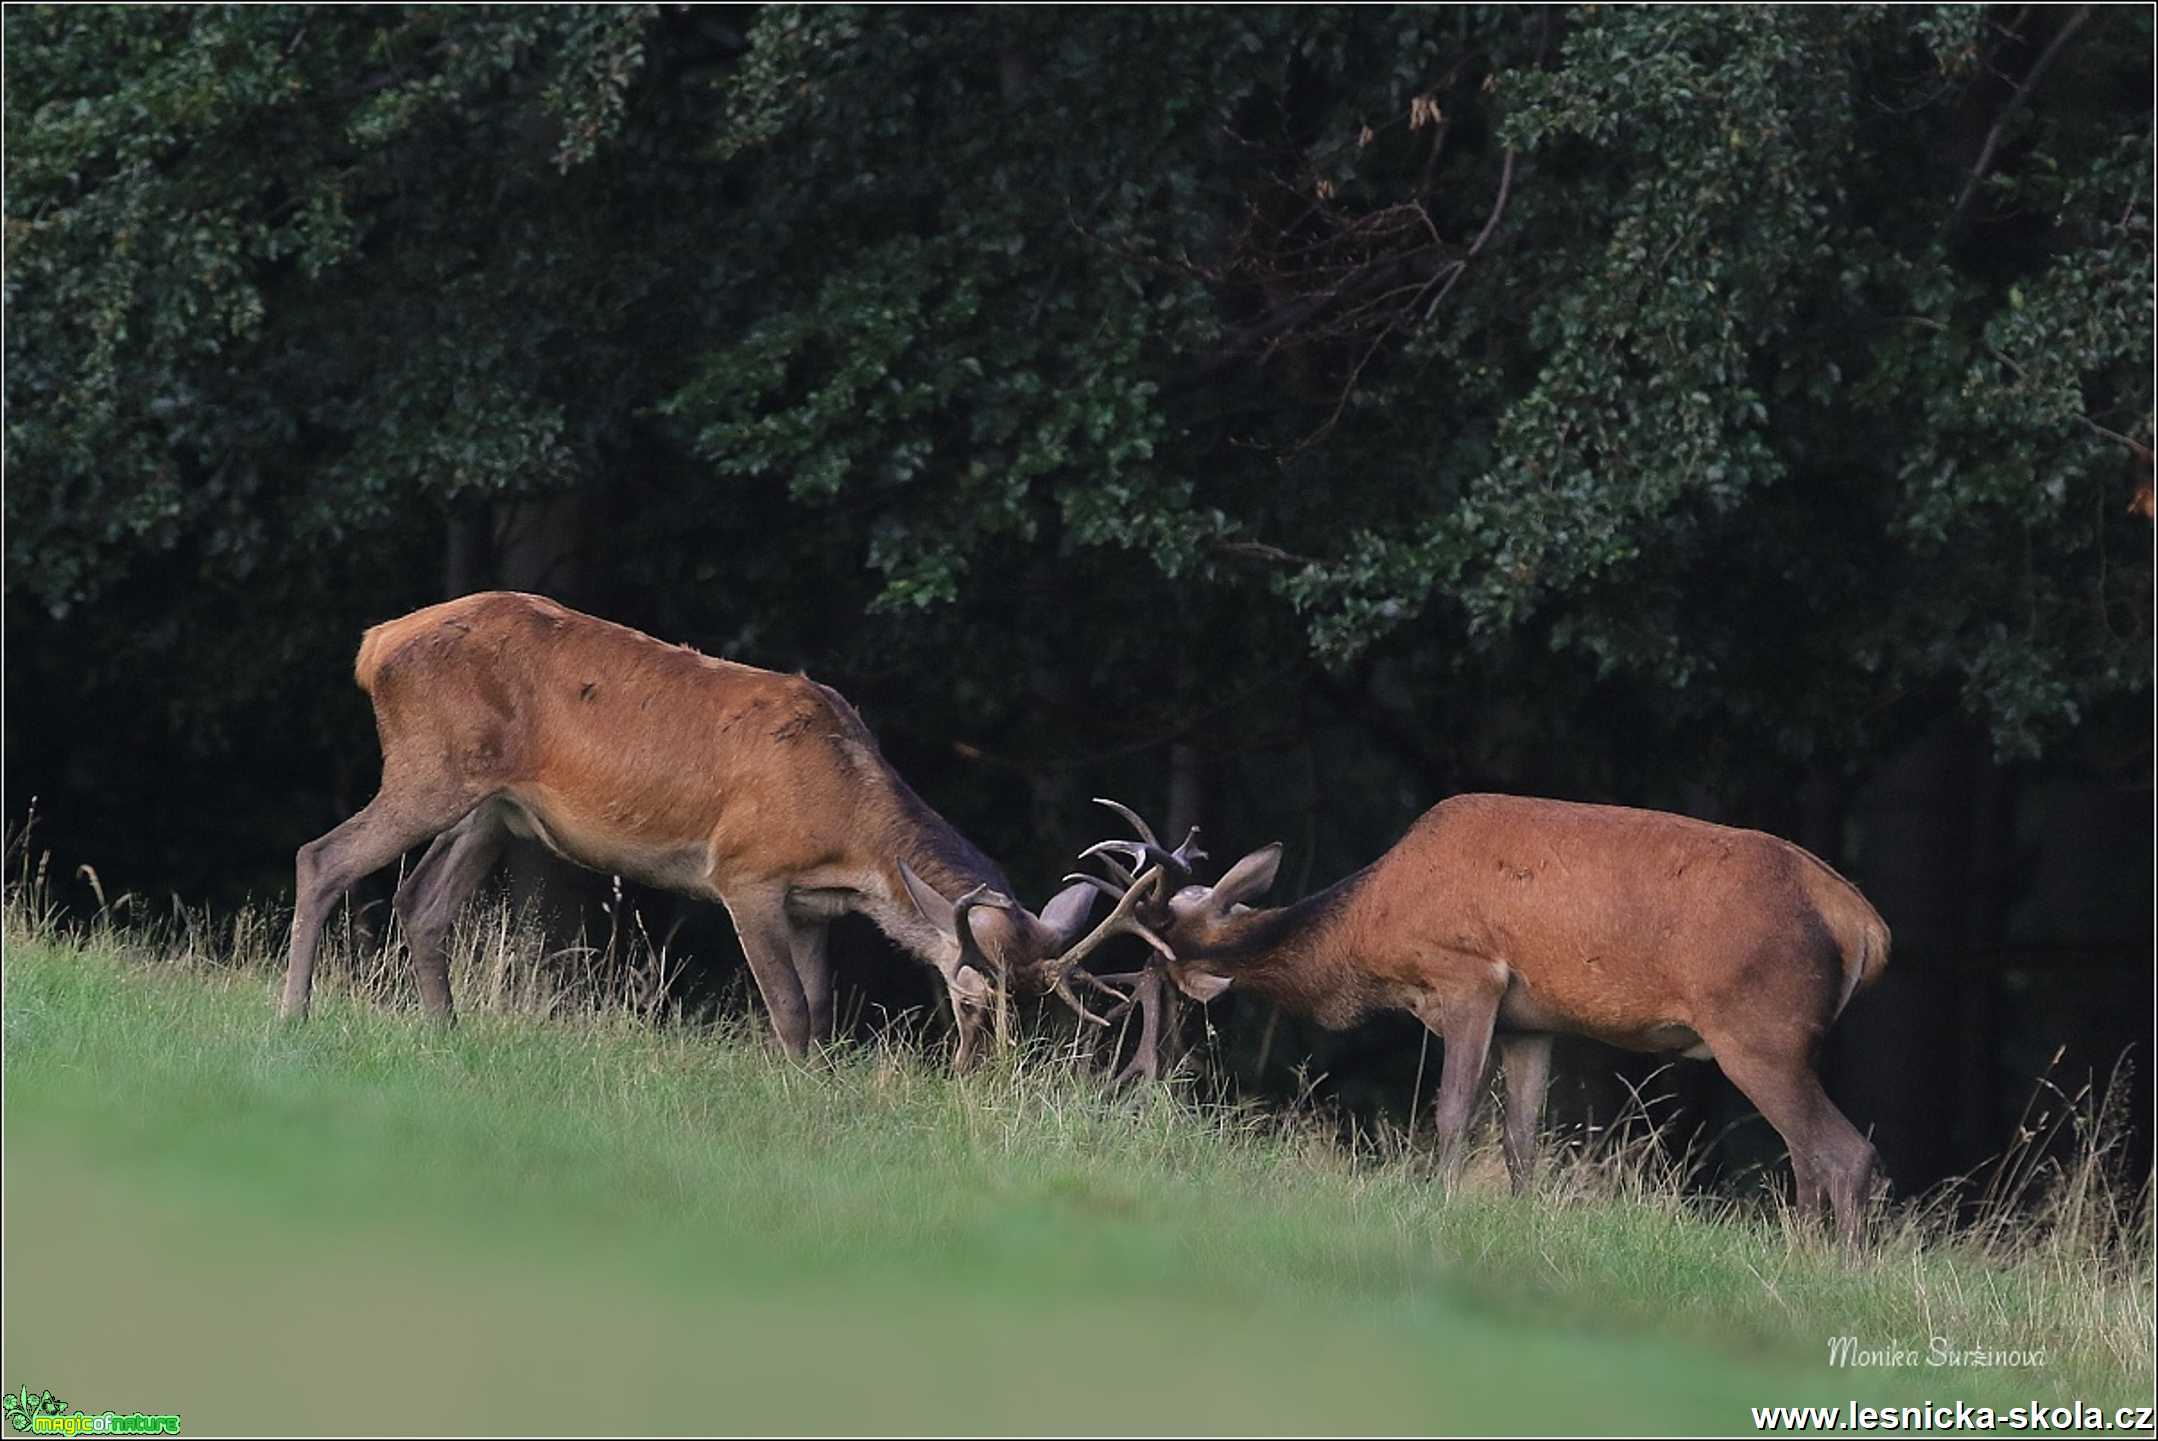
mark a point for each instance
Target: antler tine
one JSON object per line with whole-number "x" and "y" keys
{"x": 1122, "y": 919}
{"x": 1099, "y": 851}
{"x": 1131, "y": 818}
{"x": 1061, "y": 989}
{"x": 1107, "y": 985}
{"x": 1142, "y": 854}
{"x": 1136, "y": 850}
{"x": 1189, "y": 852}
{"x": 1112, "y": 891}
{"x": 1060, "y": 984}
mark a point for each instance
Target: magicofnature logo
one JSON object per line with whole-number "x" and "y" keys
{"x": 47, "y": 1415}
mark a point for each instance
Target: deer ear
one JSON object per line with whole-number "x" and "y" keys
{"x": 968, "y": 986}
{"x": 1201, "y": 986}
{"x": 1068, "y": 912}
{"x": 1247, "y": 880}
{"x": 933, "y": 907}
{"x": 998, "y": 927}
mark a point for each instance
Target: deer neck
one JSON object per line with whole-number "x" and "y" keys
{"x": 934, "y": 850}
{"x": 1299, "y": 956}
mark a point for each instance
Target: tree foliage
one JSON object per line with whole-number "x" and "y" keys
{"x": 1543, "y": 392}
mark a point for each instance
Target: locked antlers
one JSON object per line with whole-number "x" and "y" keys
{"x": 1141, "y": 891}
{"x": 1143, "y": 852}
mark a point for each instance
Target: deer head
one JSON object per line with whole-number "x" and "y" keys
{"x": 1002, "y": 941}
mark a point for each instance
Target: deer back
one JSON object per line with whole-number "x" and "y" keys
{"x": 628, "y": 754}
{"x": 1615, "y": 921}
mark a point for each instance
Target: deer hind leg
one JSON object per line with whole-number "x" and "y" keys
{"x": 1526, "y": 1061}
{"x": 1810, "y": 1187}
{"x": 767, "y": 937}
{"x": 428, "y": 901}
{"x": 396, "y": 820}
{"x": 1828, "y": 1155}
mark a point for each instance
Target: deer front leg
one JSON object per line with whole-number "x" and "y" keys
{"x": 1463, "y": 1021}
{"x": 813, "y": 968}
{"x": 1150, "y": 993}
{"x": 767, "y": 938}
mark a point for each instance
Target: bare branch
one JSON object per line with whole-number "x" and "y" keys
{"x": 2022, "y": 96}
{"x": 1262, "y": 551}
{"x": 1498, "y": 208}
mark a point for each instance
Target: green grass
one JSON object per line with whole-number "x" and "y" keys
{"x": 581, "y": 1222}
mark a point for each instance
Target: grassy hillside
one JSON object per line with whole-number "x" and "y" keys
{"x": 577, "y": 1222}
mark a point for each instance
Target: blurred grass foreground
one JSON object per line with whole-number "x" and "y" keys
{"x": 572, "y": 1215}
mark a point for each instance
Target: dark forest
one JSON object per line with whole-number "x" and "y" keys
{"x": 1278, "y": 419}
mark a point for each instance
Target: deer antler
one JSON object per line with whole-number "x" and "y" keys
{"x": 1149, "y": 986}
{"x": 1123, "y": 920}
{"x": 1145, "y": 851}
{"x": 1102, "y": 851}
{"x": 1131, "y": 818}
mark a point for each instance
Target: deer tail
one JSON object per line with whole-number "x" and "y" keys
{"x": 374, "y": 646}
{"x": 1864, "y": 939}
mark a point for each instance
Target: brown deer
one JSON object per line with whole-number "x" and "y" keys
{"x": 503, "y": 714}
{"x": 1518, "y": 918}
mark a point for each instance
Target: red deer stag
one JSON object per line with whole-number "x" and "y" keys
{"x": 1650, "y": 931}
{"x": 503, "y": 715}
